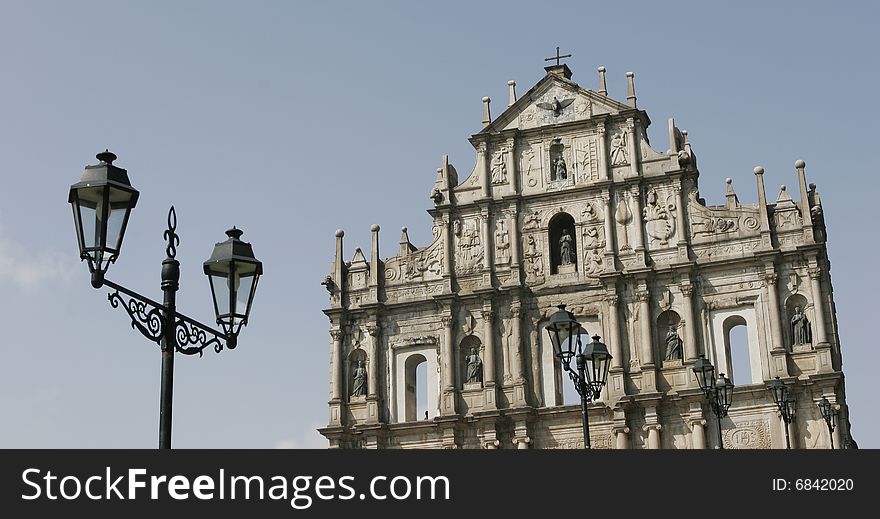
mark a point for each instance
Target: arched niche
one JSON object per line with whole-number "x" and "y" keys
{"x": 670, "y": 337}
{"x": 357, "y": 355}
{"x": 562, "y": 241}
{"x": 465, "y": 349}
{"x": 799, "y": 331}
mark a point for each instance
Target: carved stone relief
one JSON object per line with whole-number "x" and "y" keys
{"x": 533, "y": 261}
{"x": 469, "y": 254}
{"x": 499, "y": 166}
{"x": 754, "y": 434}
{"x": 586, "y": 161}
{"x": 619, "y": 155}
{"x": 623, "y": 216}
{"x": 659, "y": 216}
{"x": 502, "y": 243}
{"x": 529, "y": 165}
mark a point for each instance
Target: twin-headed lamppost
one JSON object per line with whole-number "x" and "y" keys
{"x": 102, "y": 202}
{"x": 785, "y": 402}
{"x": 591, "y": 362}
{"x": 718, "y": 392}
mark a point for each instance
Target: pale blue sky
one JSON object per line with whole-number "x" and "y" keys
{"x": 291, "y": 120}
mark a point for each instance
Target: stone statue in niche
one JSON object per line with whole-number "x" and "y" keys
{"x": 359, "y": 388}
{"x": 474, "y": 367}
{"x": 559, "y": 169}
{"x": 566, "y": 248}
{"x": 618, "y": 149}
{"x": 800, "y": 327}
{"x": 499, "y": 168}
{"x": 673, "y": 344}
{"x": 659, "y": 221}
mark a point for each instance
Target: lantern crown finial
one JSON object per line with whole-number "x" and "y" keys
{"x": 234, "y": 233}
{"x": 106, "y": 156}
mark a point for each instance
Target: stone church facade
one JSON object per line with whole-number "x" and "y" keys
{"x": 568, "y": 203}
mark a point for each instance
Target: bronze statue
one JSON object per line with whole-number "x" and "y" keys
{"x": 474, "y": 367}
{"x": 673, "y": 344}
{"x": 800, "y": 327}
{"x": 360, "y": 380}
{"x": 566, "y": 248}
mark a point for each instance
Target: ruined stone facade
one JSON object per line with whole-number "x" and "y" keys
{"x": 569, "y": 203}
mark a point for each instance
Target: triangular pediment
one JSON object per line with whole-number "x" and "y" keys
{"x": 555, "y": 100}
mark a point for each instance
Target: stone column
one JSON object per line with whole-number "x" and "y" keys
{"x": 682, "y": 227}
{"x": 632, "y": 148}
{"x": 515, "y": 255}
{"x": 645, "y": 328}
{"x": 489, "y": 337}
{"x": 653, "y": 435}
{"x": 375, "y": 331}
{"x": 484, "y": 170}
{"x": 637, "y": 219}
{"x": 609, "y": 223}
{"x": 818, "y": 305}
{"x": 690, "y": 336}
{"x": 698, "y": 433}
{"x": 336, "y": 365}
{"x": 488, "y": 248}
{"x": 770, "y": 279}
{"x": 448, "y": 251}
{"x": 516, "y": 347}
{"x": 604, "y": 170}
{"x": 621, "y": 437}
{"x": 613, "y": 338}
{"x": 449, "y": 366}
{"x": 512, "y": 176}
{"x": 522, "y": 443}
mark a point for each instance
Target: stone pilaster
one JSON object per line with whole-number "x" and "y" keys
{"x": 336, "y": 385}
{"x": 632, "y": 148}
{"x": 519, "y": 380}
{"x": 698, "y": 432}
{"x": 682, "y": 231}
{"x": 778, "y": 350}
{"x": 621, "y": 436}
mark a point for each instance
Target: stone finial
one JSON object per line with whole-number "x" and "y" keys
{"x": 602, "y": 88}
{"x": 511, "y": 92}
{"x": 487, "y": 117}
{"x": 732, "y": 200}
{"x": 800, "y": 164}
{"x": 340, "y": 233}
{"x": 759, "y": 170}
{"x": 374, "y": 227}
{"x": 630, "y": 90}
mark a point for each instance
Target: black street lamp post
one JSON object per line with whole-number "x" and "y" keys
{"x": 785, "y": 402}
{"x": 830, "y": 417}
{"x": 102, "y": 202}
{"x": 591, "y": 362}
{"x": 718, "y": 392}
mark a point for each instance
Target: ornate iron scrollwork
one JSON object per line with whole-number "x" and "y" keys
{"x": 187, "y": 333}
{"x": 145, "y": 317}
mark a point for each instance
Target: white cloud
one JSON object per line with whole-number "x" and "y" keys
{"x": 29, "y": 270}
{"x": 309, "y": 438}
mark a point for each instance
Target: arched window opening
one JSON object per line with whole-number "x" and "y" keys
{"x": 416, "y": 399}
{"x": 736, "y": 342}
{"x": 563, "y": 244}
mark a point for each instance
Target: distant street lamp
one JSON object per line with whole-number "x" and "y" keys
{"x": 102, "y": 202}
{"x": 830, "y": 416}
{"x": 592, "y": 362}
{"x": 718, "y": 392}
{"x": 785, "y": 402}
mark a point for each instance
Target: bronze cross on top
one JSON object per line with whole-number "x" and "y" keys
{"x": 557, "y": 57}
